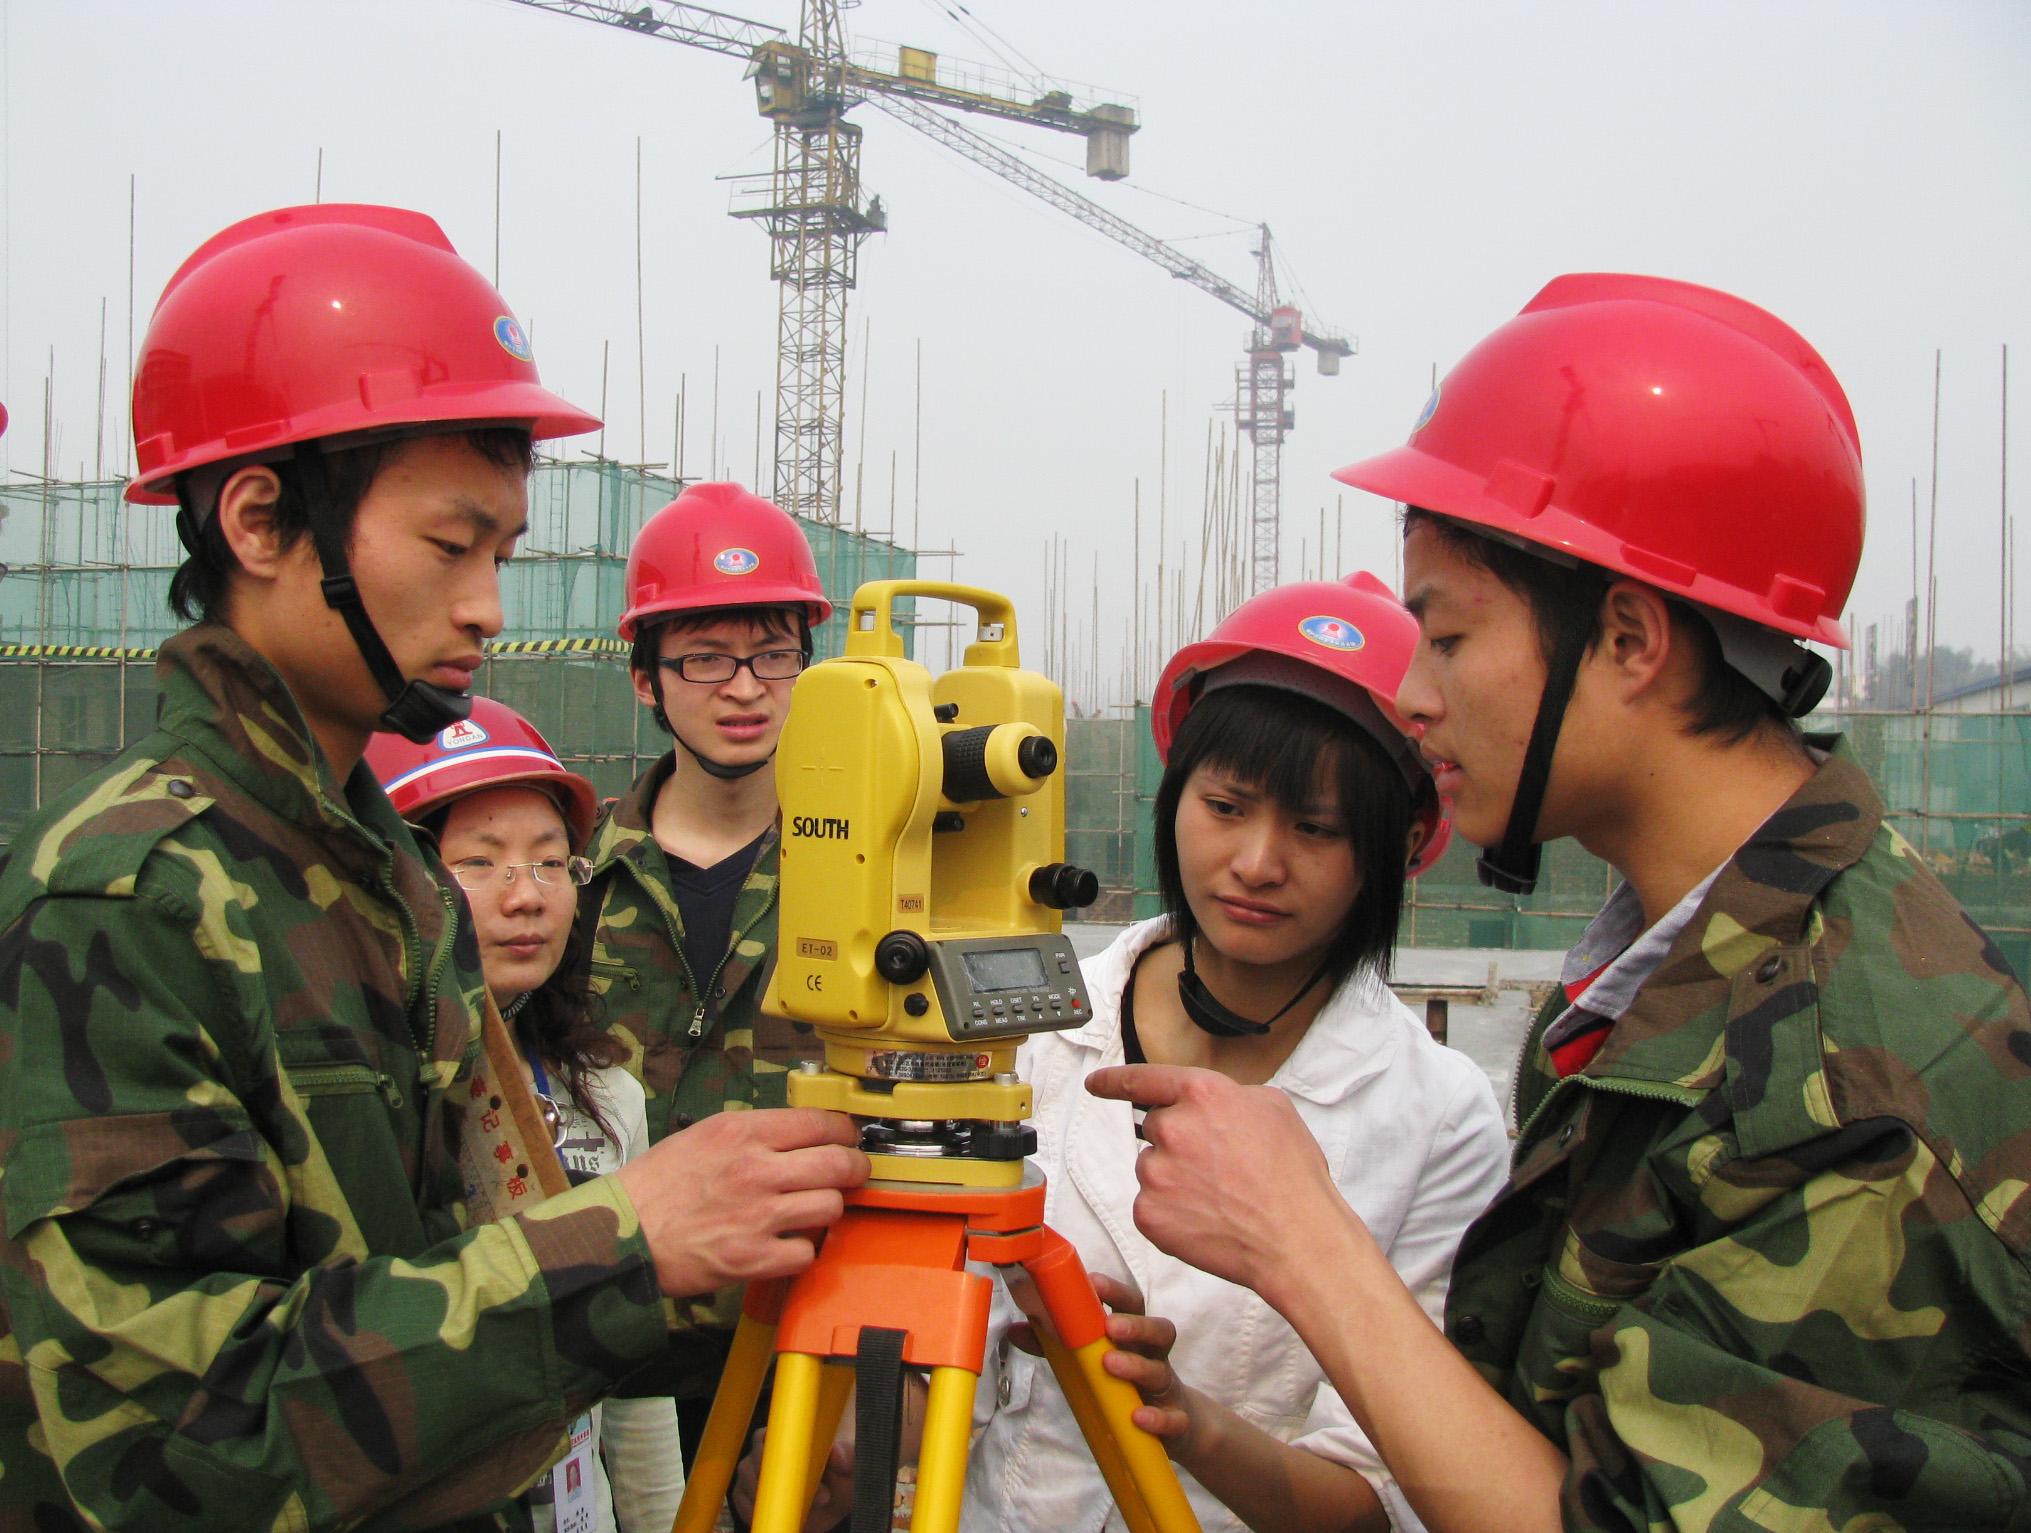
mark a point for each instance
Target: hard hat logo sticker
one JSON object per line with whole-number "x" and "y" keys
{"x": 1424, "y": 416}
{"x": 461, "y": 736}
{"x": 513, "y": 338}
{"x": 736, "y": 561}
{"x": 1332, "y": 633}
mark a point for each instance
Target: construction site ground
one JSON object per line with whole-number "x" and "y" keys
{"x": 1488, "y": 994}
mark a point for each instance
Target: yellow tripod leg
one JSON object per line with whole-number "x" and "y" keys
{"x": 941, "y": 1460}
{"x": 1112, "y": 1402}
{"x": 733, "y": 1406}
{"x": 1101, "y": 1439}
{"x": 782, "y": 1495}
{"x": 835, "y": 1388}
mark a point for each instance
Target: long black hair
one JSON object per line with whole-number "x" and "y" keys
{"x": 560, "y": 1020}
{"x": 1281, "y": 744}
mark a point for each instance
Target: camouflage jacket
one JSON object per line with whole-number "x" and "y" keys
{"x": 697, "y": 1049}
{"x": 1765, "y": 1262}
{"x": 235, "y": 1010}
{"x": 699, "y": 1044}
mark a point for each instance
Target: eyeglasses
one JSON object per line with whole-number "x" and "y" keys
{"x": 550, "y": 872}
{"x": 707, "y": 669}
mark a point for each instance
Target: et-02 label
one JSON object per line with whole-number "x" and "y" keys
{"x": 813, "y": 947}
{"x": 813, "y": 828}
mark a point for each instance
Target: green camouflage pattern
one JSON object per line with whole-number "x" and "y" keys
{"x": 693, "y": 1057}
{"x": 236, "y": 1287}
{"x": 1765, "y": 1261}
{"x": 698, "y": 1044}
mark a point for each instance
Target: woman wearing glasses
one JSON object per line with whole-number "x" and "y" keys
{"x": 510, "y": 824}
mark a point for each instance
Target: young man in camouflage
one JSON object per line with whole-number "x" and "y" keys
{"x": 722, "y": 596}
{"x": 1762, "y": 1260}
{"x": 240, "y": 1019}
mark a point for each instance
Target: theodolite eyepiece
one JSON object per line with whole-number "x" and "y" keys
{"x": 1061, "y": 886}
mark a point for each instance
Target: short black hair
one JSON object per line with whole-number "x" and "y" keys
{"x": 197, "y": 591}
{"x": 1279, "y": 743}
{"x": 776, "y": 622}
{"x": 1565, "y": 602}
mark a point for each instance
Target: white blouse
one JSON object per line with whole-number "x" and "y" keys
{"x": 1417, "y": 1146}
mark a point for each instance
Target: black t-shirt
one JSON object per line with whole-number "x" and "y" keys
{"x": 705, "y": 897}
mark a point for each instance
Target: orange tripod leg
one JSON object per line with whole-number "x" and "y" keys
{"x": 733, "y": 1406}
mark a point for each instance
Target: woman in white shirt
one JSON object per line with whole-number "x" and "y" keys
{"x": 1290, "y": 810}
{"x": 510, "y": 822}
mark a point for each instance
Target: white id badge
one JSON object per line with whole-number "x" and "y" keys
{"x": 571, "y": 1481}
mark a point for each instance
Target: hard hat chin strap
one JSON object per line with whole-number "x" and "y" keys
{"x": 1512, "y": 867}
{"x": 416, "y": 710}
{"x": 1212, "y": 1015}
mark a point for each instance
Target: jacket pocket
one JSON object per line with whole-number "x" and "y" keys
{"x": 1577, "y": 1295}
{"x": 364, "y": 1111}
{"x": 610, "y": 972}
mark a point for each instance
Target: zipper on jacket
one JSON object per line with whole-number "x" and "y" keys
{"x": 1649, "y": 1091}
{"x": 345, "y": 1080}
{"x": 614, "y": 969}
{"x": 1590, "y": 1308}
{"x": 438, "y": 961}
{"x": 698, "y": 1017}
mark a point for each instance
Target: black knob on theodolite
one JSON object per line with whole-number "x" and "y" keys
{"x": 1061, "y": 886}
{"x": 901, "y": 958}
{"x": 1037, "y": 756}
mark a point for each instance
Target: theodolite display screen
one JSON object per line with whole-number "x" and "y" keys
{"x": 1020, "y": 968}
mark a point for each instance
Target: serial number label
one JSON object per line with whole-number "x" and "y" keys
{"x": 910, "y": 904}
{"x": 813, "y": 947}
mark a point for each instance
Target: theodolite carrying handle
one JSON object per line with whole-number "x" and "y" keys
{"x": 871, "y": 630}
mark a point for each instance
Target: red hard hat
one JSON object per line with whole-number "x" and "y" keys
{"x": 718, "y": 545}
{"x": 323, "y": 321}
{"x": 495, "y": 748}
{"x": 1667, "y": 432}
{"x": 1333, "y": 641}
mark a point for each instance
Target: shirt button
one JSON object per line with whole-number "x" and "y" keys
{"x": 1769, "y": 969}
{"x": 1566, "y": 1133}
{"x": 178, "y": 788}
{"x": 683, "y": 1120}
{"x": 1468, "y": 1329}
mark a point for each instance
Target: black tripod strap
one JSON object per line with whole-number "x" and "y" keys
{"x": 878, "y": 1427}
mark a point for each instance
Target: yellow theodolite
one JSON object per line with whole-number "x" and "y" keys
{"x": 921, "y": 883}
{"x": 919, "y": 933}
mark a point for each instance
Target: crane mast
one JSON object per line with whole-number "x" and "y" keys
{"x": 1262, "y": 384}
{"x": 812, "y": 202}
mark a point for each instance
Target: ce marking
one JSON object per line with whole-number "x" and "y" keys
{"x": 814, "y": 982}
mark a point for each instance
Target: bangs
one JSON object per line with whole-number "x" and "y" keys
{"x": 1286, "y": 747}
{"x": 1307, "y": 757}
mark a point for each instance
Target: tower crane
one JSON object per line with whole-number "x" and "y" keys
{"x": 812, "y": 205}
{"x": 1262, "y": 384}
{"x": 812, "y": 202}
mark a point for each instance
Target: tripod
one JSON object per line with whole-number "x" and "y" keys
{"x": 893, "y": 1269}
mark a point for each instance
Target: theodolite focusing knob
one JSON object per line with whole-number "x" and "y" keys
{"x": 901, "y": 958}
{"x": 1060, "y": 886}
{"x": 1037, "y": 756}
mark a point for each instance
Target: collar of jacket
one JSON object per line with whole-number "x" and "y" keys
{"x": 624, "y": 825}
{"x": 1757, "y": 923}
{"x": 1347, "y": 1043}
{"x": 223, "y": 700}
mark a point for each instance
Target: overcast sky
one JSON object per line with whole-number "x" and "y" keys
{"x": 1860, "y": 168}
